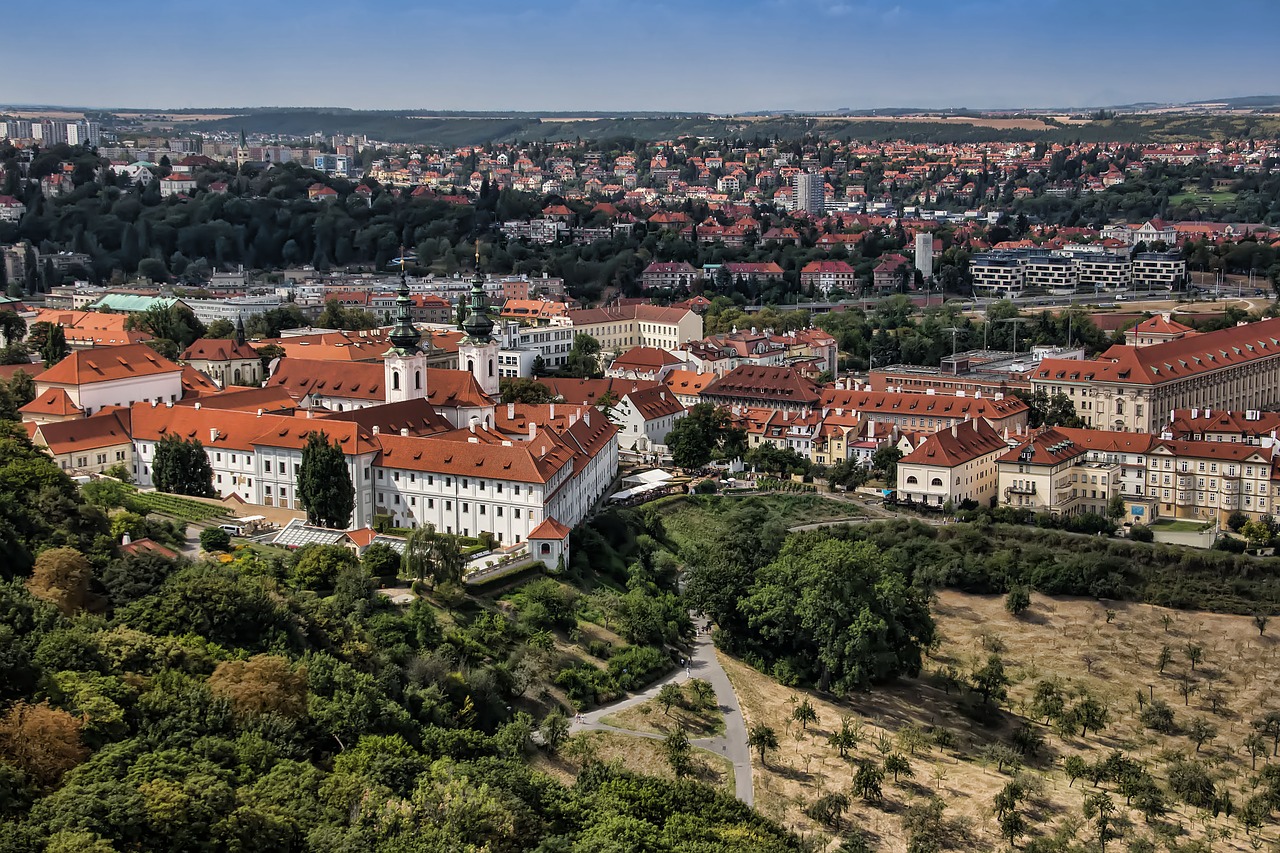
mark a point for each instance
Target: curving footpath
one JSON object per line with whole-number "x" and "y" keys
{"x": 702, "y": 664}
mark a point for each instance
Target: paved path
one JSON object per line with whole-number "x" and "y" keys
{"x": 702, "y": 664}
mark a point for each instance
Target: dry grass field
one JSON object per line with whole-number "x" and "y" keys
{"x": 638, "y": 754}
{"x": 1111, "y": 656}
{"x": 653, "y": 718}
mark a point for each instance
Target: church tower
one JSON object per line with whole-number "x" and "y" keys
{"x": 405, "y": 364}
{"x": 478, "y": 351}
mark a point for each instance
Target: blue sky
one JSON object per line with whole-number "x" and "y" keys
{"x": 699, "y": 55}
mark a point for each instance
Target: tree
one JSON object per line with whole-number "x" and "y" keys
{"x": 1237, "y": 520}
{"x": 182, "y": 467}
{"x": 42, "y": 742}
{"x": 804, "y": 714}
{"x": 62, "y": 576}
{"x": 990, "y": 680}
{"x": 1256, "y": 533}
{"x": 431, "y": 554}
{"x": 705, "y": 433}
{"x": 678, "y": 752}
{"x": 1088, "y": 713}
{"x": 829, "y": 809}
{"x": 1165, "y": 658}
{"x": 220, "y": 328}
{"x": 260, "y": 685}
{"x": 897, "y": 764}
{"x": 1187, "y": 687}
{"x": 215, "y": 539}
{"x": 1256, "y": 745}
{"x": 885, "y": 461}
{"x": 173, "y": 322}
{"x": 839, "y": 614}
{"x": 1260, "y": 621}
{"x": 1018, "y": 600}
{"x": 867, "y": 781}
{"x": 847, "y": 737}
{"x": 583, "y": 359}
{"x": 668, "y": 696}
{"x": 1116, "y": 507}
{"x": 318, "y": 566}
{"x": 12, "y": 327}
{"x": 517, "y": 389}
{"x": 555, "y": 730}
{"x": 1158, "y": 716}
{"x": 1269, "y": 725}
{"x": 1201, "y": 731}
{"x": 54, "y": 349}
{"x": 324, "y": 484}
{"x": 1101, "y": 810}
{"x": 380, "y": 560}
{"x": 703, "y": 693}
{"x": 1194, "y": 653}
{"x": 1075, "y": 767}
{"x": 762, "y": 739}
{"x": 1047, "y": 701}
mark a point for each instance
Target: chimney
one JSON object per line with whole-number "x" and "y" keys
{"x": 471, "y": 425}
{"x": 586, "y": 417}
{"x": 213, "y": 434}
{"x": 511, "y": 411}
{"x": 553, "y": 410}
{"x": 955, "y": 431}
{"x": 404, "y": 432}
{"x": 1195, "y": 413}
{"x": 126, "y": 538}
{"x": 260, "y": 412}
{"x": 1207, "y": 413}
{"x": 376, "y": 429}
{"x": 533, "y": 430}
{"x": 154, "y": 402}
{"x": 168, "y": 404}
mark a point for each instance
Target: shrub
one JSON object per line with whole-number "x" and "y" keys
{"x": 636, "y": 666}
{"x": 1141, "y": 533}
{"x": 215, "y": 539}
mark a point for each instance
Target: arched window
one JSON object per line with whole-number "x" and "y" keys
{"x": 471, "y": 365}
{"x": 490, "y": 367}
{"x": 936, "y": 481}
{"x": 545, "y": 548}
{"x": 417, "y": 380}
{"x": 1119, "y": 406}
{"x": 395, "y": 380}
{"x": 911, "y": 481}
{"x": 237, "y": 376}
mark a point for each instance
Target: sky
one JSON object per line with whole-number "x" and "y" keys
{"x": 715, "y": 56}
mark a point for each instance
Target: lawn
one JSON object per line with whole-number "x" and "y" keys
{"x": 1109, "y": 651}
{"x": 690, "y": 519}
{"x": 1196, "y": 197}
{"x": 1179, "y": 525}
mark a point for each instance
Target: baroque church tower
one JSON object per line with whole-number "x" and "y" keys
{"x": 405, "y": 364}
{"x": 478, "y": 351}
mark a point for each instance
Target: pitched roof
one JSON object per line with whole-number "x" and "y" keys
{"x": 84, "y": 367}
{"x": 416, "y": 416}
{"x": 617, "y": 313}
{"x": 643, "y": 358}
{"x": 481, "y": 454}
{"x": 364, "y": 381}
{"x": 550, "y": 528}
{"x": 1158, "y": 325}
{"x": 218, "y": 349}
{"x": 1187, "y": 422}
{"x": 653, "y": 403}
{"x": 107, "y": 428}
{"x": 54, "y": 401}
{"x": 956, "y": 445}
{"x": 589, "y": 391}
{"x": 1176, "y": 359}
{"x": 928, "y": 405}
{"x": 754, "y": 383}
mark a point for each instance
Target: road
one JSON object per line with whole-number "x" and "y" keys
{"x": 702, "y": 664}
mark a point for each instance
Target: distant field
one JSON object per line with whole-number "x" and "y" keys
{"x": 1195, "y": 197}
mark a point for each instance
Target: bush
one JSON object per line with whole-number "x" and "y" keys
{"x": 1018, "y": 600}
{"x": 636, "y": 666}
{"x": 1141, "y": 533}
{"x": 706, "y": 487}
{"x": 215, "y": 539}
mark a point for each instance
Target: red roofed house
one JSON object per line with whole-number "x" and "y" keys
{"x": 888, "y": 273}
{"x": 1156, "y": 330}
{"x": 225, "y": 361}
{"x": 668, "y": 275}
{"x": 825, "y": 276}
{"x": 112, "y": 376}
{"x": 88, "y": 444}
{"x": 318, "y": 192}
{"x": 648, "y": 363}
{"x": 954, "y": 465}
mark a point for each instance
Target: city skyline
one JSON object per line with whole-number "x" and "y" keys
{"x": 712, "y": 56}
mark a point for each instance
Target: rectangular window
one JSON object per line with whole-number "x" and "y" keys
{"x": 266, "y": 466}
{"x": 517, "y": 513}
{"x": 466, "y": 507}
{"x": 448, "y": 506}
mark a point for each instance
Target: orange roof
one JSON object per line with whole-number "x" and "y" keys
{"x": 643, "y": 358}
{"x": 956, "y": 445}
{"x": 931, "y": 405}
{"x": 1176, "y": 359}
{"x": 1158, "y": 325}
{"x": 489, "y": 456}
{"x": 84, "y": 367}
{"x": 107, "y": 428}
{"x": 218, "y": 349}
{"x": 55, "y": 401}
{"x": 688, "y": 381}
{"x": 549, "y": 529}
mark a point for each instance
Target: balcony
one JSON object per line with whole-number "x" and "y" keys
{"x": 1027, "y": 489}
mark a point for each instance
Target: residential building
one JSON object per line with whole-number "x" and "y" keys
{"x": 618, "y": 328}
{"x": 87, "y": 445}
{"x": 91, "y": 380}
{"x": 808, "y": 193}
{"x": 668, "y": 276}
{"x": 826, "y": 276}
{"x": 930, "y": 412}
{"x": 1159, "y": 270}
{"x": 11, "y": 210}
{"x": 955, "y": 465}
{"x": 750, "y": 386}
{"x": 648, "y": 363}
{"x": 1159, "y": 329}
{"x": 1247, "y": 427}
{"x": 924, "y": 254}
{"x": 226, "y": 361}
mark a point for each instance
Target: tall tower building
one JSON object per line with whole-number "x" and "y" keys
{"x": 405, "y": 364}
{"x": 478, "y": 351}
{"x": 808, "y": 193}
{"x": 924, "y": 254}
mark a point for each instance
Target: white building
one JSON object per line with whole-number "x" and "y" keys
{"x": 111, "y": 376}
{"x": 808, "y": 193}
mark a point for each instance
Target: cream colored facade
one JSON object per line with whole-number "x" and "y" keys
{"x": 935, "y": 484}
{"x": 619, "y": 330}
{"x": 1198, "y": 483}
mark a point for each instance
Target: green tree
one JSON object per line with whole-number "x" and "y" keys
{"x": 182, "y": 467}
{"x": 519, "y": 390}
{"x": 431, "y": 554}
{"x": 846, "y": 738}
{"x": 706, "y": 433}
{"x": 1201, "y": 731}
{"x": 804, "y": 714}
{"x": 62, "y": 576}
{"x": 380, "y": 560}
{"x": 12, "y": 327}
{"x": 990, "y": 680}
{"x": 885, "y": 462}
{"x": 220, "y": 328}
{"x": 670, "y": 695}
{"x": 1017, "y": 601}
{"x": 897, "y": 764}
{"x": 318, "y": 566}
{"x": 555, "y": 730}
{"x": 324, "y": 484}
{"x": 678, "y": 752}
{"x": 762, "y": 739}
{"x": 54, "y": 349}
{"x": 1101, "y": 810}
{"x": 867, "y": 781}
{"x": 173, "y": 322}
{"x": 583, "y": 359}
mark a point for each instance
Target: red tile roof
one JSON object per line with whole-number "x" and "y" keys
{"x": 105, "y": 364}
{"x": 52, "y": 402}
{"x": 956, "y": 445}
{"x": 549, "y": 529}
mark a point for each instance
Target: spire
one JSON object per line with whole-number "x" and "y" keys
{"x": 477, "y": 325}
{"x": 404, "y": 337}
{"x": 240, "y": 336}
